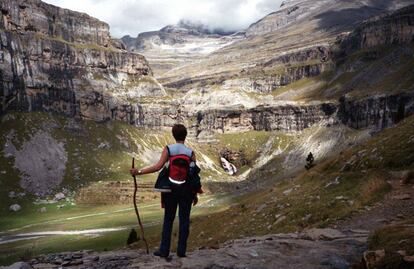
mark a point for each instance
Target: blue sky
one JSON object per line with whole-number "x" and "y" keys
{"x": 136, "y": 16}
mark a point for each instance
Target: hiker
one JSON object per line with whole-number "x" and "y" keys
{"x": 182, "y": 193}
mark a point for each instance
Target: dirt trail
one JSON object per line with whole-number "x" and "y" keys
{"x": 396, "y": 206}
{"x": 316, "y": 248}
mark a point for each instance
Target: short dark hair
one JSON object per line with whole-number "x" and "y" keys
{"x": 179, "y": 132}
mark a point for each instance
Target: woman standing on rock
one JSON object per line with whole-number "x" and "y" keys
{"x": 180, "y": 159}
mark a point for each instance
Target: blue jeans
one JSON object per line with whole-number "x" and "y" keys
{"x": 182, "y": 197}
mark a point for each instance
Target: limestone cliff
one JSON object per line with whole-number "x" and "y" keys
{"x": 378, "y": 111}
{"x": 387, "y": 29}
{"x": 53, "y": 59}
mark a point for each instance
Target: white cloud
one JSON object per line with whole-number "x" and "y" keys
{"x": 136, "y": 16}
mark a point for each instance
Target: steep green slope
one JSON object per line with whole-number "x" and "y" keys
{"x": 333, "y": 189}
{"x": 87, "y": 161}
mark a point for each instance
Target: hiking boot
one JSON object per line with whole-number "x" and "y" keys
{"x": 181, "y": 255}
{"x": 160, "y": 254}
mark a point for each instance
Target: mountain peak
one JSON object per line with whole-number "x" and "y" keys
{"x": 194, "y": 28}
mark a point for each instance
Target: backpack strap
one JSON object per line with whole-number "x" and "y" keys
{"x": 168, "y": 150}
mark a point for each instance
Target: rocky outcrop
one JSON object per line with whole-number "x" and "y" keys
{"x": 332, "y": 14}
{"x": 260, "y": 80}
{"x": 320, "y": 53}
{"x": 282, "y": 117}
{"x": 378, "y": 111}
{"x": 41, "y": 161}
{"x": 329, "y": 249}
{"x": 53, "y": 59}
{"x": 390, "y": 29}
{"x": 35, "y": 16}
{"x": 291, "y": 74}
{"x": 288, "y": 13}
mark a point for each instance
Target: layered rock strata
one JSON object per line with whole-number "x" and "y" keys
{"x": 53, "y": 59}
{"x": 388, "y": 29}
{"x": 378, "y": 111}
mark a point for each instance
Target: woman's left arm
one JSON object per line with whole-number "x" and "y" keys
{"x": 154, "y": 168}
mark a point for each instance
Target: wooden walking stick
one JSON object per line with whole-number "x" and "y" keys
{"x": 136, "y": 208}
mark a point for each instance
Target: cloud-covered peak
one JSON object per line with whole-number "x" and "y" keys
{"x": 130, "y": 17}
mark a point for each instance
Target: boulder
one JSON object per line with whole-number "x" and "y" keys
{"x": 280, "y": 219}
{"x": 59, "y": 196}
{"x": 15, "y": 208}
{"x": 373, "y": 258}
{"x": 12, "y": 194}
{"x": 104, "y": 145}
{"x": 43, "y": 210}
{"x": 324, "y": 234}
{"x": 407, "y": 177}
{"x": 288, "y": 191}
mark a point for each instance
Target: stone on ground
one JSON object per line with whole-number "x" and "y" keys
{"x": 15, "y": 208}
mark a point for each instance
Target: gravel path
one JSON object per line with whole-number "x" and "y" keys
{"x": 395, "y": 207}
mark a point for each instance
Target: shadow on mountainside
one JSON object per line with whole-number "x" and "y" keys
{"x": 347, "y": 18}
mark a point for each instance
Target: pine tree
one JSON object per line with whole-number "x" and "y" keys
{"x": 309, "y": 161}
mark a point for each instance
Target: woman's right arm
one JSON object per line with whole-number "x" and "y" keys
{"x": 154, "y": 168}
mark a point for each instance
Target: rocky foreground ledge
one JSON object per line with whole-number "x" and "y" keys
{"x": 315, "y": 248}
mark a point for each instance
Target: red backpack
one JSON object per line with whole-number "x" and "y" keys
{"x": 179, "y": 166}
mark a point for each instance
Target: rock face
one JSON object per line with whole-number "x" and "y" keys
{"x": 332, "y": 249}
{"x": 341, "y": 15}
{"x": 389, "y": 29}
{"x": 52, "y": 59}
{"x": 283, "y": 117}
{"x": 378, "y": 111}
{"x": 289, "y": 12}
